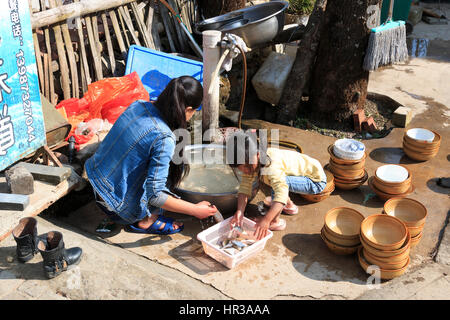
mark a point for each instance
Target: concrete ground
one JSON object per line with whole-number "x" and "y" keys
{"x": 295, "y": 264}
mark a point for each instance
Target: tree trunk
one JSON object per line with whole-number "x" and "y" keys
{"x": 213, "y": 8}
{"x": 339, "y": 83}
{"x": 304, "y": 62}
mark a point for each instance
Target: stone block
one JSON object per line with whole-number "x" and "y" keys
{"x": 402, "y": 116}
{"x": 15, "y": 202}
{"x": 52, "y": 175}
{"x": 19, "y": 180}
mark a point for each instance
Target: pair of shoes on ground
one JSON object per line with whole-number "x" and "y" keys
{"x": 51, "y": 246}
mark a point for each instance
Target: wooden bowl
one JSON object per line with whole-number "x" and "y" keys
{"x": 393, "y": 184}
{"x": 417, "y": 156}
{"x": 337, "y": 249}
{"x": 385, "y": 263}
{"x": 405, "y": 248}
{"x": 343, "y": 222}
{"x": 421, "y": 144}
{"x": 330, "y": 181}
{"x": 415, "y": 231}
{"x": 386, "y": 196}
{"x": 344, "y": 161}
{"x": 317, "y": 197}
{"x": 340, "y": 241}
{"x": 355, "y": 166}
{"x": 384, "y": 232}
{"x": 346, "y": 173}
{"x": 384, "y": 274}
{"x": 399, "y": 189}
{"x": 421, "y": 149}
{"x": 410, "y": 211}
{"x": 415, "y": 241}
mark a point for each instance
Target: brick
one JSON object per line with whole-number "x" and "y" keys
{"x": 15, "y": 202}
{"x": 52, "y": 175}
{"x": 358, "y": 119}
{"x": 369, "y": 125}
{"x": 402, "y": 116}
{"x": 19, "y": 180}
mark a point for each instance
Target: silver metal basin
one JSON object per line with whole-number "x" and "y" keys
{"x": 225, "y": 202}
{"x": 255, "y": 24}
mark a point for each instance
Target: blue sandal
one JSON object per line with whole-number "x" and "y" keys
{"x": 155, "y": 227}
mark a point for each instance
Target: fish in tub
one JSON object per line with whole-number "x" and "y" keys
{"x": 231, "y": 246}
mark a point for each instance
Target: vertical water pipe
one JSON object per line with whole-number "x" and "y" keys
{"x": 211, "y": 86}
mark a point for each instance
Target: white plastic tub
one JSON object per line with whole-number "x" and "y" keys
{"x": 210, "y": 237}
{"x": 349, "y": 149}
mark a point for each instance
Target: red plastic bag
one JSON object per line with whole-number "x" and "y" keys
{"x": 114, "y": 95}
{"x": 105, "y": 99}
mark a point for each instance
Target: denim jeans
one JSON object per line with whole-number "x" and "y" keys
{"x": 110, "y": 213}
{"x": 303, "y": 185}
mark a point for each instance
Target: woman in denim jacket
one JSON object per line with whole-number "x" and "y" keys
{"x": 132, "y": 168}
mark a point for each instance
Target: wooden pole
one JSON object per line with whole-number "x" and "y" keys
{"x": 125, "y": 31}
{"x": 125, "y": 15}
{"x": 73, "y": 10}
{"x": 64, "y": 68}
{"x": 148, "y": 42}
{"x": 118, "y": 33}
{"x": 152, "y": 25}
{"x": 39, "y": 62}
{"x": 109, "y": 45}
{"x": 94, "y": 49}
{"x": 83, "y": 60}
{"x": 71, "y": 56}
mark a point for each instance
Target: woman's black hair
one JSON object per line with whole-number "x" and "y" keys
{"x": 179, "y": 94}
{"x": 242, "y": 147}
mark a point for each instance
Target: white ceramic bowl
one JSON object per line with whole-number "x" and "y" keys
{"x": 349, "y": 149}
{"x": 392, "y": 173}
{"x": 420, "y": 134}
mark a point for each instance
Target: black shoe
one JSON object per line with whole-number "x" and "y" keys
{"x": 25, "y": 234}
{"x": 56, "y": 258}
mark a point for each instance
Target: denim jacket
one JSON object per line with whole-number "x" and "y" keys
{"x": 130, "y": 168}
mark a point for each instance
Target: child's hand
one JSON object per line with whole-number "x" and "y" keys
{"x": 237, "y": 219}
{"x": 262, "y": 227}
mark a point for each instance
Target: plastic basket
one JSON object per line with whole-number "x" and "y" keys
{"x": 156, "y": 68}
{"x": 210, "y": 236}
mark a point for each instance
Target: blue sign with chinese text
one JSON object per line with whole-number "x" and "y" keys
{"x": 21, "y": 120}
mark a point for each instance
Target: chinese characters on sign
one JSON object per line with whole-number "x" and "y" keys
{"x": 21, "y": 120}
{"x": 6, "y": 126}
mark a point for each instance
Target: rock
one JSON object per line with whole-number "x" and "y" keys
{"x": 19, "y": 180}
{"x": 402, "y": 116}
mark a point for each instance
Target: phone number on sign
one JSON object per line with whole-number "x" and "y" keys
{"x": 24, "y": 86}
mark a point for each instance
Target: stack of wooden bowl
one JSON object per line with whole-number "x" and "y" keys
{"x": 341, "y": 230}
{"x": 411, "y": 212}
{"x": 386, "y": 243}
{"x": 348, "y": 174}
{"x": 325, "y": 193}
{"x": 421, "y": 144}
{"x": 391, "y": 181}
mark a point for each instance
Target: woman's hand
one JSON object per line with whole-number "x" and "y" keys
{"x": 262, "y": 228}
{"x": 204, "y": 209}
{"x": 237, "y": 219}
